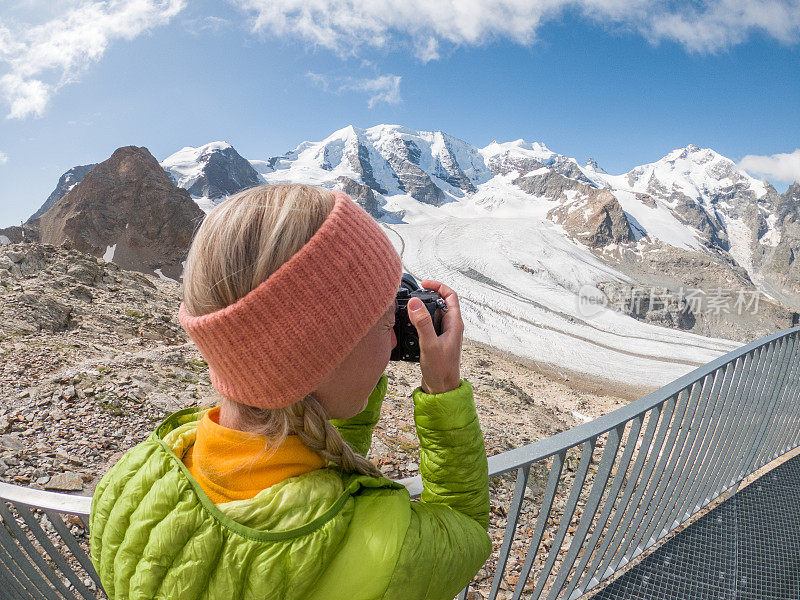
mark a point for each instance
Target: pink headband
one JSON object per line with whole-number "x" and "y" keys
{"x": 276, "y": 344}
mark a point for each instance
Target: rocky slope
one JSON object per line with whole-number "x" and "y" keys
{"x": 778, "y": 259}
{"x": 127, "y": 210}
{"x": 65, "y": 183}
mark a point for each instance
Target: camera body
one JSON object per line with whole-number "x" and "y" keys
{"x": 407, "y": 348}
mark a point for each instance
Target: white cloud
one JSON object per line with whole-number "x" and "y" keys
{"x": 784, "y": 167}
{"x": 3, "y": 158}
{"x": 348, "y": 25}
{"x": 383, "y": 88}
{"x": 207, "y": 25}
{"x": 321, "y": 81}
{"x": 39, "y": 59}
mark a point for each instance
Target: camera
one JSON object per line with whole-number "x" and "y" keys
{"x": 407, "y": 337}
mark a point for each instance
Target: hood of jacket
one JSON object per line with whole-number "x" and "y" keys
{"x": 155, "y": 533}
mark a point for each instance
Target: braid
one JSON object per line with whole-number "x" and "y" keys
{"x": 307, "y": 420}
{"x": 316, "y": 432}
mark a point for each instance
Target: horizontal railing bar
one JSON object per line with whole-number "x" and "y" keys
{"x": 63, "y": 503}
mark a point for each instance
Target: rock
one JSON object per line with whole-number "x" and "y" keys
{"x": 45, "y": 312}
{"x": 70, "y": 482}
{"x": 170, "y": 402}
{"x": 81, "y": 292}
{"x": 595, "y": 219}
{"x": 549, "y": 184}
{"x": 11, "y": 442}
{"x": 404, "y": 157}
{"x": 361, "y": 194}
{"x": 84, "y": 273}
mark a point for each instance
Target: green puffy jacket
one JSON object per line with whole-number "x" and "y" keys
{"x": 324, "y": 535}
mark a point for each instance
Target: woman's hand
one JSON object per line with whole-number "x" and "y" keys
{"x": 439, "y": 355}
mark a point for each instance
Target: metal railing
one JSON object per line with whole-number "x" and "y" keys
{"x": 584, "y": 504}
{"x": 41, "y": 556}
{"x": 644, "y": 469}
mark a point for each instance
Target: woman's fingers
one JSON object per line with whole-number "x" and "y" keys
{"x": 451, "y": 318}
{"x": 421, "y": 319}
{"x": 440, "y": 356}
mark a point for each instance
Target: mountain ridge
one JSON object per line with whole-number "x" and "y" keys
{"x": 521, "y": 231}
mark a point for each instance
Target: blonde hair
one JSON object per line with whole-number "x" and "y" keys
{"x": 241, "y": 242}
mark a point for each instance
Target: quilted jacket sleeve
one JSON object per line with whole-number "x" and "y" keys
{"x": 447, "y": 540}
{"x": 357, "y": 430}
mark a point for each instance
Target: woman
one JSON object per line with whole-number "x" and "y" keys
{"x": 289, "y": 293}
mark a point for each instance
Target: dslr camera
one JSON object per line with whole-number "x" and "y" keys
{"x": 407, "y": 337}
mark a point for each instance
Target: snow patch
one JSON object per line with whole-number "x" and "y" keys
{"x": 109, "y": 253}
{"x": 739, "y": 236}
{"x": 580, "y": 416}
{"x": 162, "y": 276}
{"x": 659, "y": 222}
{"x": 773, "y": 235}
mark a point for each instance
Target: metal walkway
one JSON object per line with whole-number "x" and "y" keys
{"x": 747, "y": 548}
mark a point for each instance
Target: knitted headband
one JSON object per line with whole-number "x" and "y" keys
{"x": 276, "y": 344}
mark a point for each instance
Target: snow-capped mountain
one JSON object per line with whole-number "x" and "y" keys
{"x": 695, "y": 197}
{"x": 519, "y": 229}
{"x": 431, "y": 167}
{"x": 210, "y": 172}
{"x": 521, "y": 232}
{"x": 692, "y": 199}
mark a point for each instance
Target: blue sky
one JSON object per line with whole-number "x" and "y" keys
{"x": 623, "y": 82}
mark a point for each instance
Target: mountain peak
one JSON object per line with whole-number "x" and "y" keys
{"x": 212, "y": 170}
{"x": 128, "y": 210}
{"x": 592, "y": 165}
{"x": 519, "y": 146}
